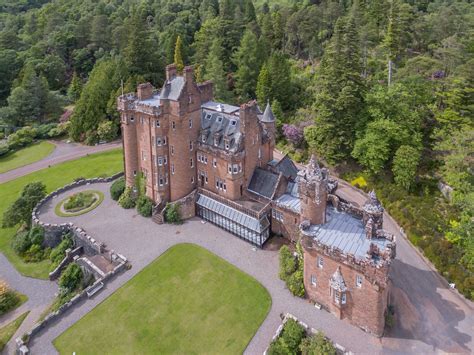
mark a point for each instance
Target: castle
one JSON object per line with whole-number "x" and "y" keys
{"x": 216, "y": 161}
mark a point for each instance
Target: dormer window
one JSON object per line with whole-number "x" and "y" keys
{"x": 208, "y": 116}
{"x": 233, "y": 122}
{"x": 219, "y": 119}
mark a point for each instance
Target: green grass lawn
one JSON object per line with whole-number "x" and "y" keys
{"x": 188, "y": 301}
{"x": 106, "y": 163}
{"x": 9, "y": 330}
{"x": 25, "y": 156}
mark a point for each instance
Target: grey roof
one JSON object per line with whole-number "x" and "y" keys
{"x": 337, "y": 281}
{"x": 268, "y": 115}
{"x": 287, "y": 167}
{"x": 153, "y": 101}
{"x": 263, "y": 182}
{"x": 344, "y": 232}
{"x": 172, "y": 88}
{"x": 220, "y": 107}
{"x": 234, "y": 215}
{"x": 290, "y": 199}
{"x": 222, "y": 126}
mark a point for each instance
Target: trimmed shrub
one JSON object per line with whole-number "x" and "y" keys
{"x": 317, "y": 344}
{"x": 295, "y": 284}
{"x": 8, "y": 298}
{"x": 59, "y": 252}
{"x": 35, "y": 253}
{"x": 117, "y": 188}
{"x": 287, "y": 263}
{"x": 21, "y": 242}
{"x": 289, "y": 340}
{"x": 126, "y": 200}
{"x": 145, "y": 206}
{"x": 172, "y": 214}
{"x": 71, "y": 278}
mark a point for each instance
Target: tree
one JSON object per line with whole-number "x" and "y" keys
{"x": 75, "y": 88}
{"x": 71, "y": 278}
{"x": 214, "y": 70}
{"x": 178, "y": 55}
{"x": 264, "y": 88}
{"x": 339, "y": 94}
{"x": 246, "y": 58}
{"x": 137, "y": 52}
{"x": 20, "y": 210}
{"x": 405, "y": 163}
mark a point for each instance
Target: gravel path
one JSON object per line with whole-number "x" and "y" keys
{"x": 40, "y": 295}
{"x": 63, "y": 152}
{"x": 443, "y": 325}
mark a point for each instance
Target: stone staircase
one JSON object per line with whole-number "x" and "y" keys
{"x": 157, "y": 215}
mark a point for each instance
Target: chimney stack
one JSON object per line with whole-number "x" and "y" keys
{"x": 171, "y": 72}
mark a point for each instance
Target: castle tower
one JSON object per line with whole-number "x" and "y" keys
{"x": 312, "y": 188}
{"x": 372, "y": 215}
{"x": 129, "y": 140}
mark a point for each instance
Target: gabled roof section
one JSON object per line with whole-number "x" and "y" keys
{"x": 287, "y": 167}
{"x": 219, "y": 127}
{"x": 172, "y": 89}
{"x": 263, "y": 183}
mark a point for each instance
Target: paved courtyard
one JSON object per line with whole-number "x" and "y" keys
{"x": 431, "y": 318}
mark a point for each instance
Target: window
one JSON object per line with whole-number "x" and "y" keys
{"x": 173, "y": 124}
{"x": 216, "y": 141}
{"x": 235, "y": 168}
{"x": 157, "y": 123}
{"x": 190, "y": 99}
{"x": 233, "y": 122}
{"x": 343, "y": 298}
{"x": 203, "y": 138}
{"x": 165, "y": 160}
{"x": 190, "y": 123}
{"x": 214, "y": 162}
{"x": 208, "y": 116}
{"x": 161, "y": 181}
{"x": 336, "y": 297}
{"x": 205, "y": 159}
{"x": 320, "y": 262}
{"x": 191, "y": 161}
{"x": 132, "y": 119}
{"x": 359, "y": 281}
{"x": 134, "y": 173}
{"x": 172, "y": 168}
{"x": 219, "y": 119}
{"x": 224, "y": 186}
{"x": 240, "y": 167}
{"x": 229, "y": 168}
{"x": 191, "y": 146}
{"x": 192, "y": 179}
{"x": 226, "y": 144}
{"x": 159, "y": 141}
{"x": 143, "y": 155}
{"x": 259, "y": 153}
{"x": 313, "y": 280}
{"x": 277, "y": 215}
{"x": 160, "y": 161}
{"x": 172, "y": 149}
{"x": 164, "y": 140}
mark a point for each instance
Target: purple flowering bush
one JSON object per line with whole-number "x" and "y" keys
{"x": 293, "y": 134}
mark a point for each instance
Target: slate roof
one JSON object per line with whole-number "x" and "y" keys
{"x": 153, "y": 101}
{"x": 290, "y": 199}
{"x": 222, "y": 126}
{"x": 263, "y": 182}
{"x": 228, "y": 212}
{"x": 287, "y": 167}
{"x": 172, "y": 89}
{"x": 344, "y": 232}
{"x": 268, "y": 115}
{"x": 221, "y": 107}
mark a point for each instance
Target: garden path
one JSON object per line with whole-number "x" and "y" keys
{"x": 430, "y": 318}
{"x": 40, "y": 295}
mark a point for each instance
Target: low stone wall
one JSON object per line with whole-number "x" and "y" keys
{"x": 339, "y": 348}
{"x": 70, "y": 254}
{"x": 187, "y": 205}
{"x": 53, "y": 232}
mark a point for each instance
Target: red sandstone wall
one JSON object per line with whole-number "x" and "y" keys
{"x": 365, "y": 306}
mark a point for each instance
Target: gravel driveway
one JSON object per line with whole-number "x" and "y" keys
{"x": 444, "y": 325}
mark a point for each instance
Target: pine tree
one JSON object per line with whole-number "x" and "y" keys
{"x": 246, "y": 58}
{"x": 75, "y": 88}
{"x": 178, "y": 54}
{"x": 339, "y": 95}
{"x": 214, "y": 70}
{"x": 391, "y": 41}
{"x": 264, "y": 86}
{"x": 137, "y": 52}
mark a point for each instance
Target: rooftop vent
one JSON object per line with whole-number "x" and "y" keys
{"x": 220, "y": 107}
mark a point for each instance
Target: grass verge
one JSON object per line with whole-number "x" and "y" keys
{"x": 25, "y": 156}
{"x": 187, "y": 301}
{"x": 10, "y": 329}
{"x": 100, "y": 164}
{"x": 95, "y": 204}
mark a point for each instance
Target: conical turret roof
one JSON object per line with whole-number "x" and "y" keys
{"x": 268, "y": 116}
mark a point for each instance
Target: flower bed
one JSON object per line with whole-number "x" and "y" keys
{"x": 79, "y": 203}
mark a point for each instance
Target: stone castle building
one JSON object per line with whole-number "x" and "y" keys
{"x": 216, "y": 161}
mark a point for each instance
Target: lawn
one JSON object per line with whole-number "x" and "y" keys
{"x": 106, "y": 164}
{"x": 9, "y": 330}
{"x": 188, "y": 301}
{"x": 25, "y": 156}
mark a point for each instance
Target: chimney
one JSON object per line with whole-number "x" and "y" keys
{"x": 171, "y": 72}
{"x": 189, "y": 74}
{"x": 144, "y": 91}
